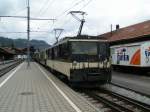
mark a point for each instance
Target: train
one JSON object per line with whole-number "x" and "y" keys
{"x": 132, "y": 56}
{"x": 80, "y": 60}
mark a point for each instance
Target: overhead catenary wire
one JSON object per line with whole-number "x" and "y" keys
{"x": 31, "y": 18}
{"x": 3, "y": 26}
{"x": 86, "y": 4}
{"x": 30, "y": 31}
{"x": 46, "y": 10}
{"x": 67, "y": 10}
{"x": 46, "y": 7}
{"x": 43, "y": 5}
{"x": 52, "y": 1}
{"x": 63, "y": 13}
{"x": 13, "y": 32}
{"x": 41, "y": 31}
{"x": 42, "y": 10}
{"x": 20, "y": 11}
{"x": 48, "y": 22}
{"x": 26, "y": 2}
{"x": 66, "y": 22}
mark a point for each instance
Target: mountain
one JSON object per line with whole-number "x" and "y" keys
{"x": 22, "y": 43}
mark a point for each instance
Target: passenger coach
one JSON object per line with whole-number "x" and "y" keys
{"x": 80, "y": 60}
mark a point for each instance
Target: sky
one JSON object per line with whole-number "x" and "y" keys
{"x": 100, "y": 14}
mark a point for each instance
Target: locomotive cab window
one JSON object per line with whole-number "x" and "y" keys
{"x": 89, "y": 48}
{"x": 83, "y": 51}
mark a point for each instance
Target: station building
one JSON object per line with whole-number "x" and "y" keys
{"x": 134, "y": 33}
{"x": 130, "y": 46}
{"x": 6, "y": 54}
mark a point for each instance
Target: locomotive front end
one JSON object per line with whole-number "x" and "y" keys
{"x": 90, "y": 62}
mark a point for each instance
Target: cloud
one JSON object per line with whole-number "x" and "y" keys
{"x": 5, "y": 6}
{"x": 101, "y": 13}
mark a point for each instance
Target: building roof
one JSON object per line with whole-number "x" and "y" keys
{"x": 130, "y": 32}
{"x": 12, "y": 51}
{"x": 6, "y": 51}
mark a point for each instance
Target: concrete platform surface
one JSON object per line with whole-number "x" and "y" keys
{"x": 34, "y": 89}
{"x": 136, "y": 82}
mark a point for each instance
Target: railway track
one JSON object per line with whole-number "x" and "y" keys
{"x": 8, "y": 67}
{"x": 109, "y": 101}
{"x": 132, "y": 90}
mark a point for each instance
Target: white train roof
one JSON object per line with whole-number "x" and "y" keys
{"x": 78, "y": 39}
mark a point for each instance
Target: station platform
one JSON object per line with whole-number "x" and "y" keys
{"x": 136, "y": 82}
{"x": 34, "y": 89}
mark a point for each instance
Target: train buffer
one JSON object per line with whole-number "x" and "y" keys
{"x": 34, "y": 89}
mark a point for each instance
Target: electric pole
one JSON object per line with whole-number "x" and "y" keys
{"x": 28, "y": 33}
{"x": 28, "y": 27}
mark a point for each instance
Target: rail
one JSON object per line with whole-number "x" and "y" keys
{"x": 6, "y": 62}
{"x": 4, "y": 68}
{"x": 115, "y": 102}
{"x": 132, "y": 90}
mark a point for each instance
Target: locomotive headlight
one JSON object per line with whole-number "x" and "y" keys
{"x": 74, "y": 63}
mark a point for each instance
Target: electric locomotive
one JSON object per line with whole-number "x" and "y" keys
{"x": 81, "y": 60}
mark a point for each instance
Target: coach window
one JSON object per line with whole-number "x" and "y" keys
{"x": 52, "y": 54}
{"x": 59, "y": 51}
{"x": 49, "y": 53}
{"x": 46, "y": 53}
{"x": 64, "y": 51}
{"x": 56, "y": 52}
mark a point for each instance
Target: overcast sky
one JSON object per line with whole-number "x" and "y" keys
{"x": 100, "y": 14}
